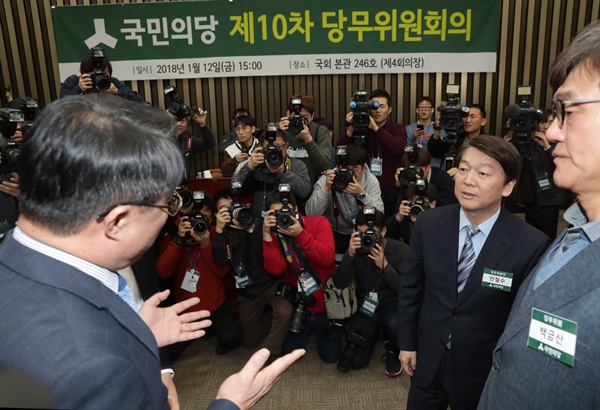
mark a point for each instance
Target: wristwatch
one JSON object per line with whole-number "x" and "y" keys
{"x": 362, "y": 196}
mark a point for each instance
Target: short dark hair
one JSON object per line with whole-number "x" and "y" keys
{"x": 244, "y": 120}
{"x": 431, "y": 192}
{"x": 356, "y": 155}
{"x": 497, "y": 148}
{"x": 425, "y": 98}
{"x": 583, "y": 51}
{"x": 308, "y": 103}
{"x": 274, "y": 197}
{"x": 480, "y": 108}
{"x": 239, "y": 111}
{"x": 545, "y": 115}
{"x": 280, "y": 133}
{"x": 423, "y": 158}
{"x": 220, "y": 194}
{"x": 381, "y": 93}
{"x": 87, "y": 65}
{"x": 85, "y": 154}
{"x": 361, "y": 219}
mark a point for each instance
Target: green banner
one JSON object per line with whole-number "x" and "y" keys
{"x": 272, "y": 37}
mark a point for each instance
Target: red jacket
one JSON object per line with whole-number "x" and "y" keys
{"x": 174, "y": 261}
{"x": 316, "y": 240}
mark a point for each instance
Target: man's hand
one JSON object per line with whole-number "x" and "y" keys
{"x": 257, "y": 158}
{"x": 269, "y": 222}
{"x": 372, "y": 124}
{"x": 354, "y": 188}
{"x": 18, "y": 136}
{"x": 284, "y": 122}
{"x": 184, "y": 226}
{"x": 203, "y": 239}
{"x": 85, "y": 82}
{"x": 418, "y": 133}
{"x": 377, "y": 255}
{"x": 167, "y": 325}
{"x": 354, "y": 244}
{"x": 111, "y": 90}
{"x": 403, "y": 211}
{"x": 409, "y": 361}
{"x": 248, "y": 386}
{"x": 223, "y": 219}
{"x": 172, "y": 395}
{"x": 349, "y": 128}
{"x": 293, "y": 230}
{"x": 329, "y": 176}
{"x": 397, "y": 176}
{"x": 541, "y": 139}
{"x": 437, "y": 132}
{"x": 11, "y": 187}
{"x": 241, "y": 157}
{"x": 200, "y": 118}
{"x": 304, "y": 135}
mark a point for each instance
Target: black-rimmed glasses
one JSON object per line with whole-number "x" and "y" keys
{"x": 174, "y": 205}
{"x": 558, "y": 107}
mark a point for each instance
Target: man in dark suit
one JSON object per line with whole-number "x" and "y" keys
{"x": 97, "y": 182}
{"x": 457, "y": 288}
{"x": 547, "y": 356}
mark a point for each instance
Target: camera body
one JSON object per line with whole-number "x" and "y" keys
{"x": 343, "y": 174}
{"x": 199, "y": 221}
{"x": 523, "y": 124}
{"x": 99, "y": 79}
{"x": 301, "y": 302}
{"x": 452, "y": 113}
{"x": 410, "y": 174}
{"x": 361, "y": 118}
{"x": 297, "y": 120}
{"x": 10, "y": 150}
{"x": 273, "y": 154}
{"x": 285, "y": 214}
{"x": 354, "y": 341}
{"x": 176, "y": 106}
{"x": 370, "y": 237}
{"x": 240, "y": 212}
{"x": 420, "y": 204}
{"x": 187, "y": 198}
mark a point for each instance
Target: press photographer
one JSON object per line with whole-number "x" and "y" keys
{"x": 11, "y": 136}
{"x": 384, "y": 139}
{"x": 239, "y": 151}
{"x": 374, "y": 262}
{"x": 301, "y": 248}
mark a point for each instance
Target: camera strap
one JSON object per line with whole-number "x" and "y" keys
{"x": 192, "y": 264}
{"x": 299, "y": 265}
{"x": 338, "y": 212}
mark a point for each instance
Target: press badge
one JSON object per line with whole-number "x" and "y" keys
{"x": 307, "y": 284}
{"x": 543, "y": 181}
{"x": 242, "y": 281}
{"x": 376, "y": 166}
{"x": 497, "y": 279}
{"x": 553, "y": 336}
{"x": 370, "y": 304}
{"x": 190, "y": 280}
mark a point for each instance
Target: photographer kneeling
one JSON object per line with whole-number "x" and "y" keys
{"x": 374, "y": 261}
{"x": 301, "y": 249}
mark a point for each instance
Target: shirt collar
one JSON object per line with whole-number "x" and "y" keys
{"x": 484, "y": 227}
{"x": 576, "y": 217}
{"x": 105, "y": 276}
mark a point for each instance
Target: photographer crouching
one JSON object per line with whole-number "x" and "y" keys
{"x": 374, "y": 262}
{"x": 301, "y": 248}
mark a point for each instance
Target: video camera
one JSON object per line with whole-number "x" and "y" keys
{"x": 241, "y": 213}
{"x": 343, "y": 174}
{"x": 420, "y": 204}
{"x": 199, "y": 221}
{"x": 99, "y": 79}
{"x": 361, "y": 118}
{"x": 284, "y": 215}
{"x": 410, "y": 173}
{"x": 451, "y": 115}
{"x": 273, "y": 154}
{"x": 297, "y": 120}
{"x": 523, "y": 116}
{"x": 30, "y": 107}
{"x": 176, "y": 106}
{"x": 10, "y": 151}
{"x": 370, "y": 237}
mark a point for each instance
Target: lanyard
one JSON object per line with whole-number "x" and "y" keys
{"x": 192, "y": 264}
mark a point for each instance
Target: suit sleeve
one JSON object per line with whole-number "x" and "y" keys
{"x": 222, "y": 404}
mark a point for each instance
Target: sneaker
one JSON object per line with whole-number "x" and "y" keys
{"x": 393, "y": 367}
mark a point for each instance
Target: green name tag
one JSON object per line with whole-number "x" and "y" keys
{"x": 553, "y": 336}
{"x": 497, "y": 279}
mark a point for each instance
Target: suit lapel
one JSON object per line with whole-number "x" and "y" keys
{"x": 571, "y": 281}
{"x": 449, "y": 250}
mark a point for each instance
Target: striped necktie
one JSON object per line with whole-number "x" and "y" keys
{"x": 466, "y": 259}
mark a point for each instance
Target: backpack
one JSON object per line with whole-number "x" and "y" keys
{"x": 340, "y": 303}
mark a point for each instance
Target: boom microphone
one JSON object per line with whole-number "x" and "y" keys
{"x": 512, "y": 111}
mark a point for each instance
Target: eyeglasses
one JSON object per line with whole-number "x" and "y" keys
{"x": 421, "y": 108}
{"x": 174, "y": 205}
{"x": 239, "y": 129}
{"x": 558, "y": 107}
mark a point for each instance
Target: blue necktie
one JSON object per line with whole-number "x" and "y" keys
{"x": 126, "y": 293}
{"x": 466, "y": 259}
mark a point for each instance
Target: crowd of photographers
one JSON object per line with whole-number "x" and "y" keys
{"x": 311, "y": 200}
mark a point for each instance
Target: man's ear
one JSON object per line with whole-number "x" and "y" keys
{"x": 116, "y": 220}
{"x": 508, "y": 188}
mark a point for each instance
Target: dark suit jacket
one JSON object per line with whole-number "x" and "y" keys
{"x": 528, "y": 379}
{"x": 75, "y": 336}
{"x": 429, "y": 309}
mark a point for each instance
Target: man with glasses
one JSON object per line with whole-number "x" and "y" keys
{"x": 96, "y": 187}
{"x": 420, "y": 131}
{"x": 547, "y": 356}
{"x": 239, "y": 151}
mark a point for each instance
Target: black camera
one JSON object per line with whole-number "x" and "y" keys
{"x": 285, "y": 214}
{"x": 176, "y": 106}
{"x": 360, "y": 106}
{"x": 523, "y": 117}
{"x": 199, "y": 221}
{"x": 241, "y": 213}
{"x": 297, "y": 120}
{"x": 420, "y": 204}
{"x": 187, "y": 198}
{"x": 354, "y": 341}
{"x": 301, "y": 302}
{"x": 343, "y": 174}
{"x": 273, "y": 154}
{"x": 10, "y": 151}
{"x": 410, "y": 174}
{"x": 99, "y": 79}
{"x": 30, "y": 107}
{"x": 370, "y": 237}
{"x": 452, "y": 113}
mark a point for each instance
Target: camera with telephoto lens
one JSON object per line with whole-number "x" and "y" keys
{"x": 273, "y": 154}
{"x": 187, "y": 199}
{"x": 301, "y": 302}
{"x": 451, "y": 115}
{"x": 354, "y": 341}
{"x": 360, "y": 106}
{"x": 99, "y": 79}
{"x": 199, "y": 221}
{"x": 241, "y": 213}
{"x": 285, "y": 214}
{"x": 176, "y": 106}
{"x": 297, "y": 120}
{"x": 370, "y": 237}
{"x": 420, "y": 204}
{"x": 343, "y": 174}
{"x": 10, "y": 150}
{"x": 523, "y": 117}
